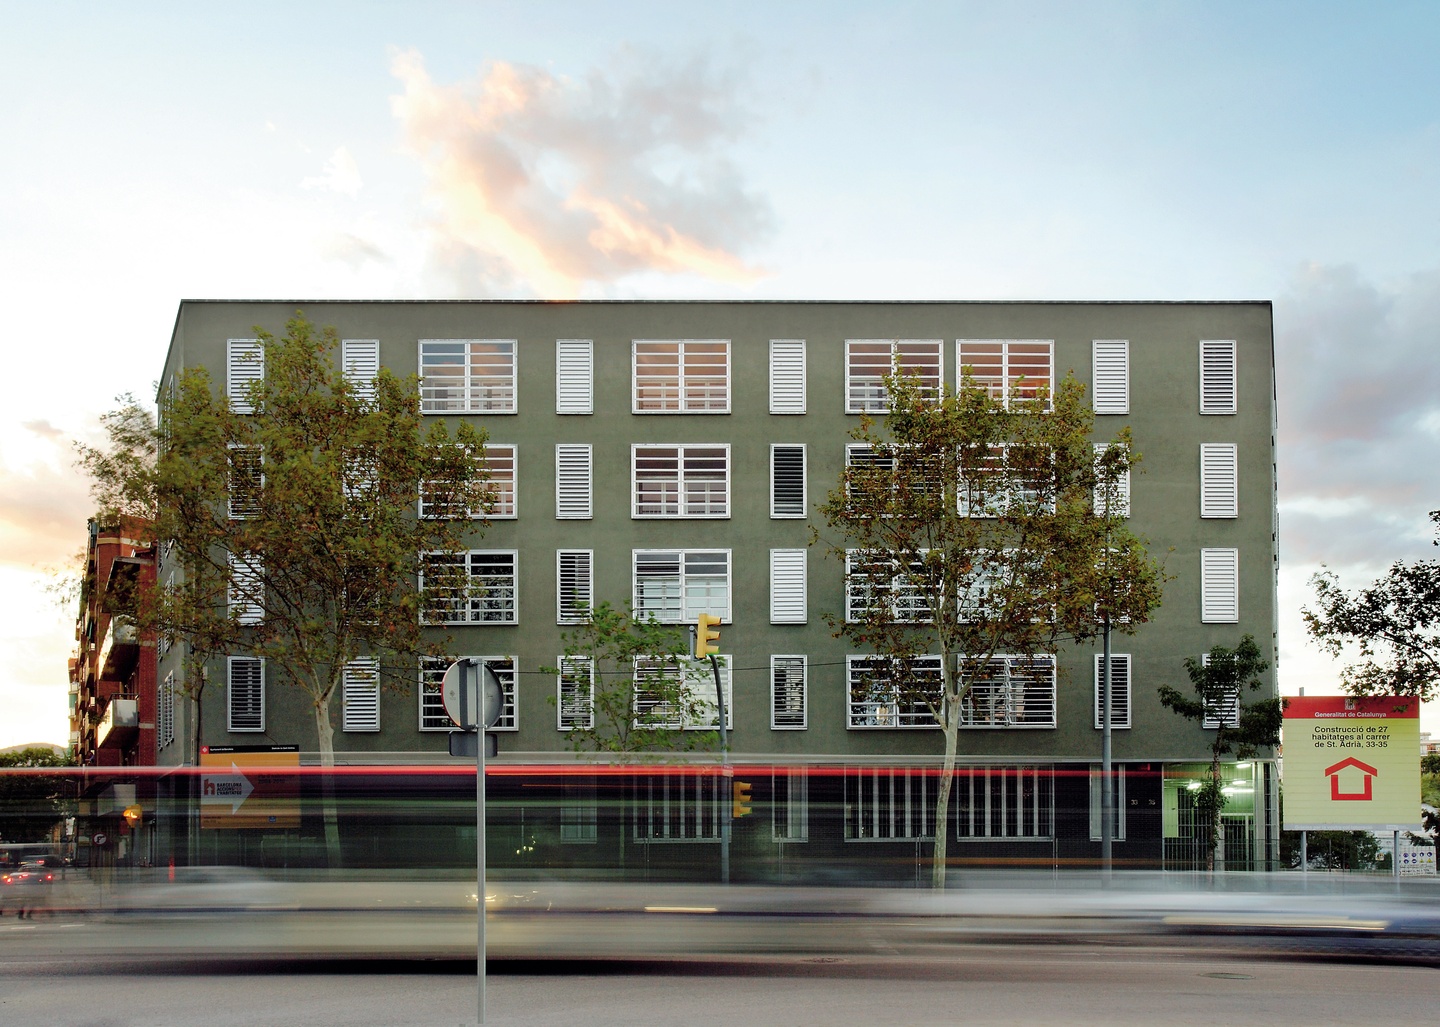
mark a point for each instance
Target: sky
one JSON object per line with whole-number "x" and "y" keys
{"x": 537, "y": 149}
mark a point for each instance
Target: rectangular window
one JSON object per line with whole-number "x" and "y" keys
{"x": 889, "y": 804}
{"x": 467, "y": 376}
{"x": 1011, "y": 692}
{"x": 432, "y": 703}
{"x": 1220, "y": 586}
{"x": 244, "y": 694}
{"x": 360, "y": 695}
{"x": 676, "y": 586}
{"x": 1218, "y": 392}
{"x": 438, "y": 502}
{"x": 681, "y": 481}
{"x": 790, "y": 805}
{"x": 787, "y": 481}
{"x": 573, "y": 476}
{"x": 876, "y": 585}
{"x": 681, "y": 807}
{"x": 504, "y": 669}
{"x": 788, "y": 708}
{"x": 247, "y": 480}
{"x": 501, "y": 475}
{"x": 1112, "y": 496}
{"x": 575, "y": 585}
{"x": 165, "y": 712}
{"x": 1223, "y": 708}
{"x": 1119, "y": 690}
{"x": 868, "y": 362}
{"x": 247, "y": 589}
{"x": 788, "y": 603}
{"x": 1219, "y": 479}
{"x": 659, "y": 679}
{"x": 787, "y": 376}
{"x": 887, "y": 693}
{"x": 579, "y": 812}
{"x": 1118, "y": 830}
{"x": 574, "y": 376}
{"x": 999, "y": 480}
{"x": 360, "y": 362}
{"x": 575, "y": 694}
{"x": 689, "y": 376}
{"x": 1110, "y": 366}
{"x": 474, "y": 587}
{"x": 244, "y": 368}
{"x": 1004, "y": 802}
{"x": 1010, "y": 370}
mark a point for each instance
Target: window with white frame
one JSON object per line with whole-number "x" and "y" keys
{"x": 575, "y": 694}
{"x": 475, "y": 587}
{"x": 360, "y": 363}
{"x": 246, "y": 592}
{"x": 1112, "y": 496}
{"x": 504, "y": 670}
{"x": 681, "y": 807}
{"x": 1009, "y": 369}
{"x": 1004, "y": 802}
{"x": 788, "y": 603}
{"x": 1218, "y": 391}
{"x": 1011, "y": 692}
{"x": 788, "y": 705}
{"x": 1220, "y": 586}
{"x": 574, "y": 585}
{"x": 360, "y": 477}
{"x": 1110, "y": 367}
{"x": 574, "y": 376}
{"x": 889, "y": 693}
{"x": 888, "y": 804}
{"x": 1221, "y": 709}
{"x": 360, "y": 695}
{"x": 1219, "y": 479}
{"x": 787, "y": 376}
{"x": 244, "y": 368}
{"x": 681, "y": 376}
{"x": 467, "y": 376}
{"x": 675, "y": 586}
{"x": 681, "y": 481}
{"x": 432, "y": 696}
{"x": 165, "y": 712}
{"x": 1117, "y": 830}
{"x": 1119, "y": 690}
{"x": 1000, "y": 479}
{"x": 498, "y": 465}
{"x": 790, "y": 804}
{"x": 660, "y": 680}
{"x": 868, "y": 362}
{"x": 579, "y": 811}
{"x": 573, "y": 481}
{"x": 787, "y": 481}
{"x": 875, "y": 583}
{"x": 244, "y": 694}
{"x": 246, "y": 480}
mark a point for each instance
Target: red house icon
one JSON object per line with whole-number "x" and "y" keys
{"x": 1333, "y": 773}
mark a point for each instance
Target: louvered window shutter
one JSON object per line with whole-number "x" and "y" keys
{"x": 1218, "y": 392}
{"x": 244, "y": 364}
{"x": 245, "y": 694}
{"x": 787, "y": 586}
{"x": 1219, "y": 480}
{"x": 1111, "y": 369}
{"x": 247, "y": 585}
{"x": 787, "y": 376}
{"x": 1119, "y": 690}
{"x": 787, "y": 481}
{"x": 361, "y": 695}
{"x": 787, "y": 693}
{"x": 574, "y": 376}
{"x": 1220, "y": 586}
{"x": 575, "y": 595}
{"x": 573, "y": 481}
{"x": 361, "y": 360}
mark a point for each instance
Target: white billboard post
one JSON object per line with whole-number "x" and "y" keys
{"x": 461, "y": 694}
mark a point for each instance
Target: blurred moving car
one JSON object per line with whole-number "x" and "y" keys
{"x": 27, "y": 888}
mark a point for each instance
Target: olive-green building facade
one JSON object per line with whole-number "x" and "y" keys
{"x": 673, "y": 453}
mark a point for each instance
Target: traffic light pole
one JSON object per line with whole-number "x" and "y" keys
{"x": 726, "y": 775}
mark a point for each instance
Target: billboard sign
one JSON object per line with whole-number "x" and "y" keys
{"x": 1352, "y": 764}
{"x": 245, "y": 786}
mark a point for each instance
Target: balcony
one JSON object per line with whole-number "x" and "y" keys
{"x": 120, "y": 650}
{"x": 120, "y": 726}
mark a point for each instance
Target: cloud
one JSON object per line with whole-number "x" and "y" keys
{"x": 560, "y": 185}
{"x": 44, "y": 429}
{"x": 43, "y": 512}
{"x": 350, "y": 249}
{"x": 341, "y": 175}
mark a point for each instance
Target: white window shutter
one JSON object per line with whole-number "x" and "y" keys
{"x": 1111, "y": 376}
{"x": 574, "y": 376}
{"x": 244, "y": 364}
{"x": 787, "y": 693}
{"x": 1119, "y": 690}
{"x": 575, "y": 589}
{"x": 787, "y": 481}
{"x": 360, "y": 695}
{"x": 1218, "y": 390}
{"x": 575, "y": 694}
{"x": 573, "y": 477}
{"x": 247, "y": 587}
{"x": 1122, "y": 488}
{"x": 787, "y": 376}
{"x": 1220, "y": 586}
{"x": 245, "y": 694}
{"x": 360, "y": 359}
{"x": 787, "y": 586}
{"x": 1219, "y": 479}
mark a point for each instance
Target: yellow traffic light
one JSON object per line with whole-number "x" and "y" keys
{"x": 132, "y": 815}
{"x": 707, "y": 635}
{"x": 740, "y": 799}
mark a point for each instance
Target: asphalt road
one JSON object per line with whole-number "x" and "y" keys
{"x": 972, "y": 984}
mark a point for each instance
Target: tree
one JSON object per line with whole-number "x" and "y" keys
{"x": 31, "y": 802}
{"x": 625, "y": 688}
{"x": 1394, "y": 626}
{"x": 1221, "y": 681}
{"x": 291, "y": 515}
{"x": 978, "y": 532}
{"x": 1334, "y": 850}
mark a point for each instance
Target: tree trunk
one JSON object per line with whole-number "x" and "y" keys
{"x": 942, "y": 798}
{"x": 325, "y": 732}
{"x": 1212, "y": 828}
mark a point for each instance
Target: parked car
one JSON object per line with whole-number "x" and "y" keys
{"x": 27, "y": 888}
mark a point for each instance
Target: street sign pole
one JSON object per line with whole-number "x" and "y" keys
{"x": 472, "y": 673}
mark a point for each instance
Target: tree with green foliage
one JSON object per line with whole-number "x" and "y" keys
{"x": 290, "y": 516}
{"x": 1334, "y": 850}
{"x": 1221, "y": 682}
{"x": 1393, "y": 626}
{"x": 979, "y": 531}
{"x": 31, "y": 801}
